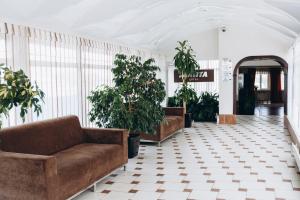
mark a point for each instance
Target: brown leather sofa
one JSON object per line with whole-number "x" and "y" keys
{"x": 56, "y": 159}
{"x": 174, "y": 121}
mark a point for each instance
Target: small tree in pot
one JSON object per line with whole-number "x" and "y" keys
{"x": 16, "y": 90}
{"x": 134, "y": 102}
{"x": 186, "y": 64}
{"x": 188, "y": 95}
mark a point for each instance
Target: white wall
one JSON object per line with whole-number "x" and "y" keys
{"x": 242, "y": 41}
{"x": 293, "y": 58}
{"x": 235, "y": 44}
{"x": 205, "y": 45}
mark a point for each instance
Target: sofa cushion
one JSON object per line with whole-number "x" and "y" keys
{"x": 42, "y": 138}
{"x": 86, "y": 163}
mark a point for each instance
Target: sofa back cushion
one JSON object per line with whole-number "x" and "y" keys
{"x": 42, "y": 138}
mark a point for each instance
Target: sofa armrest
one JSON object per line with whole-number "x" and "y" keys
{"x": 27, "y": 176}
{"x": 174, "y": 111}
{"x": 108, "y": 136}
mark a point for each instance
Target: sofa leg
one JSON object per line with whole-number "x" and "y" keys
{"x": 159, "y": 144}
{"x": 124, "y": 168}
{"x": 93, "y": 188}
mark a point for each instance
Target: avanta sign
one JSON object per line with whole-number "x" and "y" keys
{"x": 201, "y": 75}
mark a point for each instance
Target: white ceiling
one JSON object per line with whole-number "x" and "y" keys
{"x": 149, "y": 23}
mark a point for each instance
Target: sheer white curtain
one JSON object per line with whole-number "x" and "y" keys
{"x": 67, "y": 68}
{"x": 209, "y": 86}
{"x": 14, "y": 54}
{"x": 53, "y": 64}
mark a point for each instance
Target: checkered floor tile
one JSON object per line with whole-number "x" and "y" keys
{"x": 248, "y": 161}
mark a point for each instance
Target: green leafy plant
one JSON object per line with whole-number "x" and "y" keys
{"x": 134, "y": 102}
{"x": 188, "y": 94}
{"x": 186, "y": 64}
{"x": 174, "y": 102}
{"x": 16, "y": 90}
{"x": 207, "y": 108}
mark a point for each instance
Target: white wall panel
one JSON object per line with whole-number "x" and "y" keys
{"x": 293, "y": 58}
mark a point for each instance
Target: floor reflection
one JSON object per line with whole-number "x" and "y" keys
{"x": 269, "y": 109}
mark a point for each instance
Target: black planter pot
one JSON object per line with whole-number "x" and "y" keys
{"x": 188, "y": 120}
{"x": 133, "y": 145}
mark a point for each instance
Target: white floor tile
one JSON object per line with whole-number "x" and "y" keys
{"x": 190, "y": 165}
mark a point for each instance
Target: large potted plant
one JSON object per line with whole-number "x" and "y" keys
{"x": 16, "y": 90}
{"x": 186, "y": 64}
{"x": 207, "y": 108}
{"x": 133, "y": 103}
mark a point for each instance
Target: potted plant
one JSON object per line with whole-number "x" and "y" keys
{"x": 186, "y": 64}
{"x": 207, "y": 108}
{"x": 16, "y": 90}
{"x": 173, "y": 102}
{"x": 189, "y": 96}
{"x": 133, "y": 103}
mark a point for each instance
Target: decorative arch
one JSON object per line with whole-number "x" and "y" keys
{"x": 278, "y": 59}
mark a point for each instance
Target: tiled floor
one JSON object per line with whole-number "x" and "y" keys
{"x": 250, "y": 160}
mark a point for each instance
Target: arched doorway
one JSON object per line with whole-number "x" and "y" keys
{"x": 277, "y": 59}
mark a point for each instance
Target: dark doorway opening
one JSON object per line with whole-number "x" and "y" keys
{"x": 260, "y": 86}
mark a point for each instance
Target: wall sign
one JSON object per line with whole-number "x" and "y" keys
{"x": 202, "y": 75}
{"x": 226, "y": 69}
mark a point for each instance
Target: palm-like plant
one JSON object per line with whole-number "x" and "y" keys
{"x": 186, "y": 64}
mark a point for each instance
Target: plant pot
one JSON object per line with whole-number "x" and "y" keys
{"x": 188, "y": 120}
{"x": 133, "y": 144}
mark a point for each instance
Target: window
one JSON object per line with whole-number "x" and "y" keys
{"x": 53, "y": 66}
{"x": 262, "y": 80}
{"x": 66, "y": 68}
{"x": 2, "y": 49}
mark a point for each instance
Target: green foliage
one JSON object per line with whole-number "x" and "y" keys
{"x": 207, "y": 108}
{"x": 186, "y": 94}
{"x": 174, "y": 102}
{"x": 185, "y": 60}
{"x": 134, "y": 102}
{"x": 203, "y": 108}
{"x": 186, "y": 64}
{"x": 16, "y": 90}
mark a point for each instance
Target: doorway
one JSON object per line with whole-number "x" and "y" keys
{"x": 260, "y": 86}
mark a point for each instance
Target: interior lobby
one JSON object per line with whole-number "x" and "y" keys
{"x": 150, "y": 100}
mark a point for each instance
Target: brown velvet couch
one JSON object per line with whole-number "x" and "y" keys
{"x": 56, "y": 159}
{"x": 174, "y": 121}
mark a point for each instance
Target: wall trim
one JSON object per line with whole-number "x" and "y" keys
{"x": 291, "y": 130}
{"x": 227, "y": 119}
